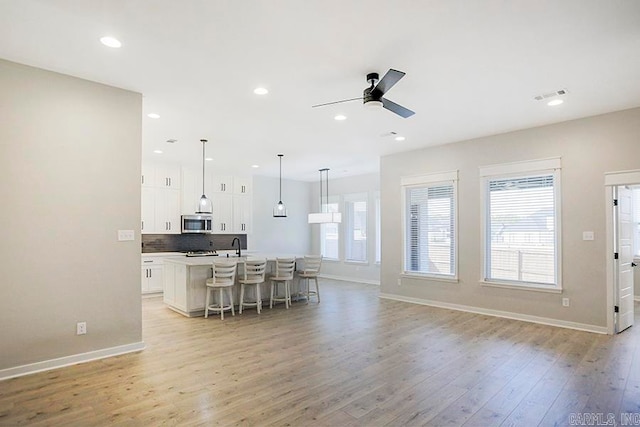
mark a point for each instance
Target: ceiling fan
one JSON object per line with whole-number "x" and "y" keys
{"x": 372, "y": 95}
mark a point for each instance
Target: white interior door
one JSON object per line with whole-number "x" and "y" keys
{"x": 624, "y": 249}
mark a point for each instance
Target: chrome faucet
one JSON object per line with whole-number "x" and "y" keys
{"x": 239, "y": 250}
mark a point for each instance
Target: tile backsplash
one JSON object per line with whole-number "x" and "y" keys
{"x": 189, "y": 242}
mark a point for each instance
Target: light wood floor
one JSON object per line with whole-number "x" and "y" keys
{"x": 353, "y": 360}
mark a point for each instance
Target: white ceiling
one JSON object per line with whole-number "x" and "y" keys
{"x": 473, "y": 68}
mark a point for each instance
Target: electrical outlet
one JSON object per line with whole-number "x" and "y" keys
{"x": 399, "y": 282}
{"x": 565, "y": 302}
{"x": 81, "y": 328}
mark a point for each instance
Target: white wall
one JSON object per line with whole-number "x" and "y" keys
{"x": 288, "y": 235}
{"x": 588, "y": 148}
{"x": 368, "y": 272}
{"x": 69, "y": 179}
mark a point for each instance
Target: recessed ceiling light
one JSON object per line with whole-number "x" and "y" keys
{"x": 260, "y": 91}
{"x": 157, "y": 151}
{"x": 340, "y": 117}
{"x": 399, "y": 138}
{"x": 110, "y": 41}
{"x": 153, "y": 115}
{"x": 209, "y": 159}
{"x": 555, "y": 102}
{"x": 255, "y": 166}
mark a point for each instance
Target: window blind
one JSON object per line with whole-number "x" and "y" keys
{"x": 521, "y": 229}
{"x": 430, "y": 232}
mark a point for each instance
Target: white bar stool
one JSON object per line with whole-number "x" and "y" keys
{"x": 224, "y": 274}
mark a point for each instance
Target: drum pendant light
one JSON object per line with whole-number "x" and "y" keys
{"x": 205, "y": 205}
{"x": 280, "y": 211}
{"x": 324, "y": 216}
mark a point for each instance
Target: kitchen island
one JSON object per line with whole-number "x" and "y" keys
{"x": 185, "y": 289}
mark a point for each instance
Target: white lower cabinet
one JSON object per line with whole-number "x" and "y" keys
{"x": 152, "y": 275}
{"x": 175, "y": 286}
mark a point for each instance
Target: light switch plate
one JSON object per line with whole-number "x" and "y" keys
{"x": 125, "y": 235}
{"x": 588, "y": 235}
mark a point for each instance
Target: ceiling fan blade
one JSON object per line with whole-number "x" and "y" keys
{"x": 398, "y": 109}
{"x": 387, "y": 82}
{"x": 337, "y": 102}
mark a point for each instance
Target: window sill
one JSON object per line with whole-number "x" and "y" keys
{"x": 428, "y": 277}
{"x": 364, "y": 263}
{"x": 528, "y": 287}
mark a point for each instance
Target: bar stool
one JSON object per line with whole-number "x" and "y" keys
{"x": 254, "y": 271}
{"x": 311, "y": 270}
{"x": 284, "y": 275}
{"x": 224, "y": 274}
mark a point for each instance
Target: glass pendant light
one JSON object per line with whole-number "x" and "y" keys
{"x": 280, "y": 211}
{"x": 205, "y": 205}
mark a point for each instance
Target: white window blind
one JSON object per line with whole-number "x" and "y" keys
{"x": 521, "y": 232}
{"x": 430, "y": 229}
{"x": 356, "y": 227}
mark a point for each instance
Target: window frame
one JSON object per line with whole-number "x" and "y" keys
{"x": 333, "y": 200}
{"x": 530, "y": 168}
{"x": 430, "y": 180}
{"x": 348, "y": 221}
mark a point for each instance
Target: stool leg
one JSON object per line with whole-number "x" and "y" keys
{"x": 206, "y": 304}
{"x": 258, "y": 298}
{"x": 221, "y": 304}
{"x": 230, "y": 292}
{"x": 317, "y": 289}
{"x": 241, "y": 296}
{"x": 271, "y": 298}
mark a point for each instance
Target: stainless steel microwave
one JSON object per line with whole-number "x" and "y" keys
{"x": 198, "y": 223}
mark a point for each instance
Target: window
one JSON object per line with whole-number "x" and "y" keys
{"x": 329, "y": 235}
{"x": 521, "y": 227}
{"x": 355, "y": 211}
{"x": 430, "y": 224}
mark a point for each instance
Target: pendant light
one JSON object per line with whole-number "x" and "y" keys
{"x": 325, "y": 217}
{"x": 279, "y": 210}
{"x": 205, "y": 205}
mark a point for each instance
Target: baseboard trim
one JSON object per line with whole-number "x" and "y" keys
{"x": 75, "y": 359}
{"x": 499, "y": 313}
{"x": 350, "y": 279}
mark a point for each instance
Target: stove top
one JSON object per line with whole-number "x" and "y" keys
{"x": 201, "y": 253}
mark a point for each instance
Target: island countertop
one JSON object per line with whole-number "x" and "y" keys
{"x": 208, "y": 260}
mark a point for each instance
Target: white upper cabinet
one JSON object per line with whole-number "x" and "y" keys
{"x": 167, "y": 176}
{"x": 160, "y": 199}
{"x": 242, "y": 214}
{"x": 169, "y": 191}
{"x": 161, "y": 176}
{"x": 222, "y": 184}
{"x": 242, "y": 184}
{"x": 222, "y": 213}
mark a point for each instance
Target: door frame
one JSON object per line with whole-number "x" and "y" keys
{"x": 611, "y": 180}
